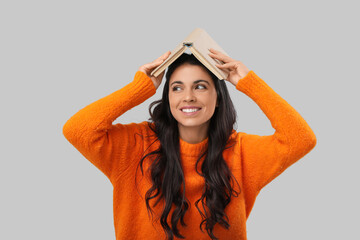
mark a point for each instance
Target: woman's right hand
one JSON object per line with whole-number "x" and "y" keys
{"x": 149, "y": 67}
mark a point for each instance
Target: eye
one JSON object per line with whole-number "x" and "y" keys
{"x": 203, "y": 86}
{"x": 199, "y": 85}
{"x": 174, "y": 88}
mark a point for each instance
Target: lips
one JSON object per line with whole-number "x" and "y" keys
{"x": 190, "y": 107}
{"x": 192, "y": 110}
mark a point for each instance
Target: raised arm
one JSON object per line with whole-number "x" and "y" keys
{"x": 91, "y": 130}
{"x": 265, "y": 157}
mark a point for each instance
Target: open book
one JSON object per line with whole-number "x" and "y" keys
{"x": 199, "y": 42}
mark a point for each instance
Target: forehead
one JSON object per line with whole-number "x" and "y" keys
{"x": 189, "y": 73}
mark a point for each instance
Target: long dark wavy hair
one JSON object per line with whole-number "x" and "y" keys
{"x": 166, "y": 172}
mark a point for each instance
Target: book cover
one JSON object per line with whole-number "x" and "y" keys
{"x": 198, "y": 42}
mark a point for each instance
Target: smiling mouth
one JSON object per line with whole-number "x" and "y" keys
{"x": 188, "y": 110}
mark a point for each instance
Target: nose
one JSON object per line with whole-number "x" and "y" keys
{"x": 189, "y": 96}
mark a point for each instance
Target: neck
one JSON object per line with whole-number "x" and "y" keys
{"x": 194, "y": 134}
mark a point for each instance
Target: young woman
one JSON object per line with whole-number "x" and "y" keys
{"x": 187, "y": 173}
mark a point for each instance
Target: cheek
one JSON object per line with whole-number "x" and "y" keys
{"x": 172, "y": 104}
{"x": 210, "y": 100}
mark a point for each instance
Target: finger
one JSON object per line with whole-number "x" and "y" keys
{"x": 214, "y": 51}
{"x": 227, "y": 65}
{"x": 164, "y": 56}
{"x": 157, "y": 61}
{"x": 221, "y": 57}
{"x": 153, "y": 64}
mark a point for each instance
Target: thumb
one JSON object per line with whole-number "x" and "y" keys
{"x": 160, "y": 77}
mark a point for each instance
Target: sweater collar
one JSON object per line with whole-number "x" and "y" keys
{"x": 192, "y": 149}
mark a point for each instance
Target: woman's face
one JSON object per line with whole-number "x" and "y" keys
{"x": 191, "y": 86}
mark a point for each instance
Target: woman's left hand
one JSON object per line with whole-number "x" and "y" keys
{"x": 237, "y": 70}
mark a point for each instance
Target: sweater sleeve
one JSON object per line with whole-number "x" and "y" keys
{"x": 266, "y": 157}
{"x": 106, "y": 145}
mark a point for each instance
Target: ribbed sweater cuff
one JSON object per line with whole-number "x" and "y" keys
{"x": 252, "y": 85}
{"x": 143, "y": 86}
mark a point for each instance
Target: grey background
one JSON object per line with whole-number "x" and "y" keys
{"x": 59, "y": 56}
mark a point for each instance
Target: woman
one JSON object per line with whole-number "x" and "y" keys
{"x": 199, "y": 178}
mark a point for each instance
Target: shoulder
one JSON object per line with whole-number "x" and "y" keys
{"x": 232, "y": 142}
{"x": 235, "y": 139}
{"x": 237, "y": 135}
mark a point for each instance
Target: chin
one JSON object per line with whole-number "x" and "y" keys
{"x": 192, "y": 123}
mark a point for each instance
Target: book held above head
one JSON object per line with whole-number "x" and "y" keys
{"x": 198, "y": 42}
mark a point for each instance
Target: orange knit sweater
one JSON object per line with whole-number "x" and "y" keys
{"x": 116, "y": 149}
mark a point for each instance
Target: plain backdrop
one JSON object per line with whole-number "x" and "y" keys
{"x": 57, "y": 57}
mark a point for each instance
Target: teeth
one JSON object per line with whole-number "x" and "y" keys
{"x": 190, "y": 110}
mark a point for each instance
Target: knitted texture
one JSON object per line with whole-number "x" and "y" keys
{"x": 116, "y": 149}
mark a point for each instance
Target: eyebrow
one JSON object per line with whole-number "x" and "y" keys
{"x": 195, "y": 82}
